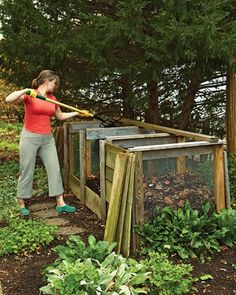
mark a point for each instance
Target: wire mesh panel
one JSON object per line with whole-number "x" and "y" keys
{"x": 75, "y": 138}
{"x": 165, "y": 186}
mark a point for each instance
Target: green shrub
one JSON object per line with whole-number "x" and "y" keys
{"x": 167, "y": 278}
{"x": 94, "y": 270}
{"x": 188, "y": 232}
{"x": 25, "y": 236}
{"x": 76, "y": 249}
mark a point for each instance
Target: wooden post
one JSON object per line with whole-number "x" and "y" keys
{"x": 115, "y": 198}
{"x": 82, "y": 165}
{"x": 227, "y": 187}
{"x": 138, "y": 204}
{"x": 180, "y": 164}
{"x": 66, "y": 156}
{"x": 219, "y": 177}
{"x": 121, "y": 221}
{"x": 102, "y": 178}
{"x": 231, "y": 112}
{"x": 126, "y": 240}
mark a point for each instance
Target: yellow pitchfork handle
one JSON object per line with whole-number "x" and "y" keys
{"x": 83, "y": 113}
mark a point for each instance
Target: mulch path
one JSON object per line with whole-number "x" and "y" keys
{"x": 22, "y": 275}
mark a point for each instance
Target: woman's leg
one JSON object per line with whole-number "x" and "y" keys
{"x": 28, "y": 147}
{"x": 48, "y": 154}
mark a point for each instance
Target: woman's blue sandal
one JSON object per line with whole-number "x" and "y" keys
{"x": 66, "y": 209}
{"x": 24, "y": 211}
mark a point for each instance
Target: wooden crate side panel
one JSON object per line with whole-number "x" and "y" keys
{"x": 115, "y": 198}
{"x": 127, "y": 230}
{"x": 93, "y": 202}
{"x": 74, "y": 184}
{"x": 121, "y": 220}
{"x": 111, "y": 152}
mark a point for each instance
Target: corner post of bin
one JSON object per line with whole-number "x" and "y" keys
{"x": 82, "y": 147}
{"x": 180, "y": 163}
{"x": 219, "y": 176}
{"x": 138, "y": 201}
{"x": 102, "y": 155}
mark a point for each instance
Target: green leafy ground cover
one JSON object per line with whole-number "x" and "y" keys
{"x": 188, "y": 232}
{"x": 96, "y": 269}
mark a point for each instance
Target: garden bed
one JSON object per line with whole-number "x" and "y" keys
{"x": 22, "y": 275}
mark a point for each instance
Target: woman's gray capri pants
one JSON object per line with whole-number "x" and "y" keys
{"x": 32, "y": 144}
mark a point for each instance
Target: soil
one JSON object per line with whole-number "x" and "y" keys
{"x": 174, "y": 190}
{"x": 22, "y": 275}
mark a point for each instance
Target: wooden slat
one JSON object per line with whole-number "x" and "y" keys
{"x": 74, "y": 184}
{"x": 126, "y": 241}
{"x": 93, "y": 202}
{"x": 109, "y": 173}
{"x": 102, "y": 133}
{"x": 137, "y": 136}
{"x": 121, "y": 220}
{"x": 219, "y": 177}
{"x": 108, "y": 190}
{"x": 115, "y": 198}
{"x": 129, "y": 142}
{"x": 177, "y": 132}
{"x": 182, "y": 152}
{"x": 102, "y": 178}
{"x": 111, "y": 153}
{"x": 174, "y": 146}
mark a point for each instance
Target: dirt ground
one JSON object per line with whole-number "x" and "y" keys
{"x": 22, "y": 275}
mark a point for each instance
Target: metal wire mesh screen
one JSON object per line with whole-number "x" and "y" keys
{"x": 76, "y": 155}
{"x": 165, "y": 186}
{"x": 94, "y": 155}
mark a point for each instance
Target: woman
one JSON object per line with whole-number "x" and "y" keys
{"x": 36, "y": 138}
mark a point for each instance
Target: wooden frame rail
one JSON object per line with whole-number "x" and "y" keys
{"x": 177, "y": 132}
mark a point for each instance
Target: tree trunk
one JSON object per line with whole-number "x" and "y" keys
{"x": 152, "y": 113}
{"x": 128, "y": 111}
{"x": 231, "y": 112}
{"x": 189, "y": 102}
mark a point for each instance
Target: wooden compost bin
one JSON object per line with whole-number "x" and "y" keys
{"x": 122, "y": 151}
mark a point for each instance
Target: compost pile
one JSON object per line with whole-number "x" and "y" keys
{"x": 174, "y": 190}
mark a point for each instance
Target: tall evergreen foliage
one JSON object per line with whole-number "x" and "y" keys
{"x": 141, "y": 55}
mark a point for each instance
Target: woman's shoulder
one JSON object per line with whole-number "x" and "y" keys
{"x": 51, "y": 96}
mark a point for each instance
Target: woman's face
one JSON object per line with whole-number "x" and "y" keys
{"x": 51, "y": 86}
